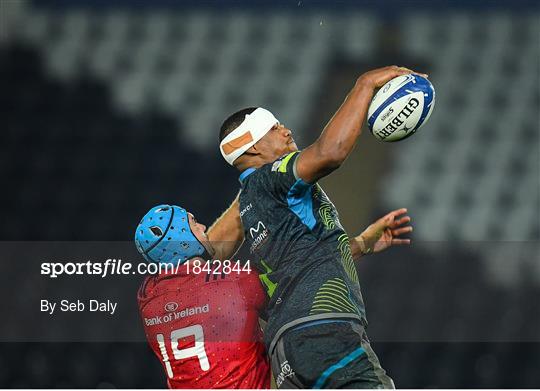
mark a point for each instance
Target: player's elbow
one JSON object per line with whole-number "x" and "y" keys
{"x": 332, "y": 163}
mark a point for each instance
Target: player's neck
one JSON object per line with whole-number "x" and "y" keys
{"x": 252, "y": 162}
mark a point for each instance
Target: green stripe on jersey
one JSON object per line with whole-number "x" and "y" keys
{"x": 333, "y": 296}
{"x": 346, "y": 257}
{"x": 270, "y": 286}
{"x": 283, "y": 166}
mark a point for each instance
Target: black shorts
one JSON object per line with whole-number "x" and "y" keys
{"x": 327, "y": 354}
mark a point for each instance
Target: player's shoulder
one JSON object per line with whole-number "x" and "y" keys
{"x": 272, "y": 179}
{"x": 146, "y": 291}
{"x": 284, "y": 163}
{"x": 241, "y": 278}
{"x": 252, "y": 290}
{"x": 148, "y": 287}
{"x": 245, "y": 276}
{"x": 277, "y": 168}
{"x": 160, "y": 284}
{"x": 248, "y": 278}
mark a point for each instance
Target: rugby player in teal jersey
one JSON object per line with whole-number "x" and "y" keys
{"x": 316, "y": 333}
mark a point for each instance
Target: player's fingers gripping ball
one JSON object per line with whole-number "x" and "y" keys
{"x": 401, "y": 107}
{"x": 164, "y": 236}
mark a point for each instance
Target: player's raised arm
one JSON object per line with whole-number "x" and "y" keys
{"x": 226, "y": 234}
{"x": 339, "y": 136}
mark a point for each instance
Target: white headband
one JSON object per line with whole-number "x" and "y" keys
{"x": 251, "y": 130}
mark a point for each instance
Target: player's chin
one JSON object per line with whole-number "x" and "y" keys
{"x": 292, "y": 147}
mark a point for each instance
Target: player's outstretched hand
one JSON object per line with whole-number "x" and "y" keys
{"x": 380, "y": 76}
{"x": 386, "y": 232}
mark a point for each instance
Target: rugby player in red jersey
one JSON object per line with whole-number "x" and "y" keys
{"x": 203, "y": 326}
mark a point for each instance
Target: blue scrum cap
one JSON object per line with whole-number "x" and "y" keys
{"x": 164, "y": 236}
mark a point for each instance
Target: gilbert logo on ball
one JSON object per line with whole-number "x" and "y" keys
{"x": 401, "y": 107}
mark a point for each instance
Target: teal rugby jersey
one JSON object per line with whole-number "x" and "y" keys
{"x": 299, "y": 247}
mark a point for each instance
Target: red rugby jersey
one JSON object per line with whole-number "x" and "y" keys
{"x": 204, "y": 328}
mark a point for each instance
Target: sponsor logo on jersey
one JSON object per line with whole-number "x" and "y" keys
{"x": 286, "y": 371}
{"x": 259, "y": 234}
{"x": 188, "y": 311}
{"x": 171, "y": 306}
{"x": 246, "y": 209}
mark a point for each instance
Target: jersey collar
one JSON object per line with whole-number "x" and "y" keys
{"x": 246, "y": 173}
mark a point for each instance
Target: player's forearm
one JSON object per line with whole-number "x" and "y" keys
{"x": 340, "y": 134}
{"x": 226, "y": 234}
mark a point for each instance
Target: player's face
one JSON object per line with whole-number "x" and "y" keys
{"x": 199, "y": 231}
{"x": 277, "y": 142}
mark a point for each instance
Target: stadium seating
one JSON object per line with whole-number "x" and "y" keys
{"x": 195, "y": 69}
{"x": 473, "y": 173}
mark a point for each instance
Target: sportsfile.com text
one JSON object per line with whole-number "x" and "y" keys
{"x": 112, "y": 267}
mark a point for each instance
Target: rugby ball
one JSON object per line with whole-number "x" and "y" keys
{"x": 401, "y": 107}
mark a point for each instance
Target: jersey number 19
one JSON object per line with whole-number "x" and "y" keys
{"x": 195, "y": 351}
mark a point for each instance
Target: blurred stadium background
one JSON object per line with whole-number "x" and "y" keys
{"x": 109, "y": 107}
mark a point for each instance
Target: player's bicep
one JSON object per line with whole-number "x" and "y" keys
{"x": 310, "y": 165}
